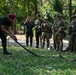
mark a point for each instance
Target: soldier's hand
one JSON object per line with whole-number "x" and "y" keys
{"x": 55, "y": 26}
{"x": 35, "y": 27}
{"x": 14, "y": 38}
{"x": 39, "y": 26}
{"x": 60, "y": 29}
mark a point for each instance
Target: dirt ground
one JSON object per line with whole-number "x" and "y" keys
{"x": 23, "y": 37}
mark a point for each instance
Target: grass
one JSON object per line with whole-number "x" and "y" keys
{"x": 23, "y": 63}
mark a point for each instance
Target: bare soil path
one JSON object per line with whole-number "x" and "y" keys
{"x": 22, "y": 40}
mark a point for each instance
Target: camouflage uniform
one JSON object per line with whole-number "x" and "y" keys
{"x": 58, "y": 23}
{"x": 72, "y": 40}
{"x": 46, "y": 32}
{"x": 38, "y": 33}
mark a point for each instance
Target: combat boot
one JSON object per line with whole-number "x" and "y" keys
{"x": 7, "y": 53}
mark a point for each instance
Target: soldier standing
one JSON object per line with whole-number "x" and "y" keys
{"x": 37, "y": 28}
{"x": 58, "y": 24}
{"x": 29, "y": 24}
{"x": 6, "y": 22}
{"x": 72, "y": 32}
{"x": 46, "y": 32}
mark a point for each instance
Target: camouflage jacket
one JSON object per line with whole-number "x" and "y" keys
{"x": 58, "y": 23}
{"x": 37, "y": 24}
{"x": 46, "y": 27}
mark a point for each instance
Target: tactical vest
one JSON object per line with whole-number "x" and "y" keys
{"x": 38, "y": 23}
{"x": 46, "y": 27}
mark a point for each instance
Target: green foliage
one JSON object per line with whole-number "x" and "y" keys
{"x": 17, "y": 27}
{"x": 47, "y": 10}
{"x": 23, "y": 63}
{"x": 73, "y": 5}
{"x": 23, "y": 8}
{"x": 58, "y": 5}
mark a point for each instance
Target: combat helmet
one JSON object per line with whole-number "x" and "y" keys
{"x": 58, "y": 14}
{"x": 38, "y": 15}
{"x": 74, "y": 15}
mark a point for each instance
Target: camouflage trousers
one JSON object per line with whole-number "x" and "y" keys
{"x": 54, "y": 41}
{"x": 59, "y": 41}
{"x": 45, "y": 36}
{"x": 59, "y": 45}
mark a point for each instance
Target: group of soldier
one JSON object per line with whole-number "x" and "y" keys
{"x": 42, "y": 29}
{"x": 45, "y": 29}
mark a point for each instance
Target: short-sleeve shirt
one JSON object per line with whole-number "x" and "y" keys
{"x": 4, "y": 21}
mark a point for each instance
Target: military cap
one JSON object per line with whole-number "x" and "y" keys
{"x": 74, "y": 15}
{"x": 58, "y": 14}
{"x": 38, "y": 15}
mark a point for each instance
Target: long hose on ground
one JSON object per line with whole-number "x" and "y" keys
{"x": 37, "y": 55}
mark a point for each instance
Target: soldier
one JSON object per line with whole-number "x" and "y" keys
{"x": 6, "y": 22}
{"x": 72, "y": 32}
{"x": 29, "y": 24}
{"x": 46, "y": 32}
{"x": 58, "y": 24}
{"x": 37, "y": 28}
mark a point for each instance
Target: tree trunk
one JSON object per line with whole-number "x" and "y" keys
{"x": 70, "y": 8}
{"x": 35, "y": 7}
{"x": 24, "y": 4}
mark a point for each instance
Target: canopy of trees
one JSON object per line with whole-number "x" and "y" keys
{"x": 22, "y": 8}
